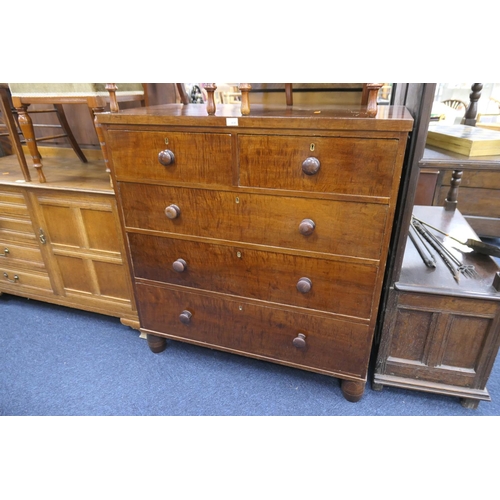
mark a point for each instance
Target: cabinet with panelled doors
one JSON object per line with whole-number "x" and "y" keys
{"x": 61, "y": 242}
{"x": 263, "y": 235}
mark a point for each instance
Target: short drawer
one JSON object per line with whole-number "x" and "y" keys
{"x": 357, "y": 166}
{"x": 194, "y": 157}
{"x": 301, "y": 340}
{"x": 14, "y": 229}
{"x": 13, "y": 204}
{"x": 20, "y": 255}
{"x": 341, "y": 228}
{"x": 327, "y": 285}
{"x": 13, "y": 278}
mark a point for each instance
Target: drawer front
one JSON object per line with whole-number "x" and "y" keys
{"x": 338, "y": 287}
{"x": 20, "y": 255}
{"x": 198, "y": 157}
{"x": 342, "y": 228}
{"x": 15, "y": 278}
{"x": 346, "y": 165}
{"x": 335, "y": 346}
{"x": 13, "y": 204}
{"x": 20, "y": 230}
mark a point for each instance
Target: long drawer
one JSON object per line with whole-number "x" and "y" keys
{"x": 14, "y": 278}
{"x": 197, "y": 157}
{"x": 327, "y": 285}
{"x": 261, "y": 219}
{"x": 344, "y": 165}
{"x": 302, "y": 340}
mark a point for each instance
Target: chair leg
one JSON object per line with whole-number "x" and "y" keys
{"x": 67, "y": 129}
{"x": 102, "y": 142}
{"x": 5, "y": 108}
{"x": 29, "y": 134}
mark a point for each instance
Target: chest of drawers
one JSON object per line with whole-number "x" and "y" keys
{"x": 263, "y": 235}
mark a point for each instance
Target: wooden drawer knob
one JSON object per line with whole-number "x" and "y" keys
{"x": 310, "y": 166}
{"x": 304, "y": 285}
{"x": 300, "y": 341}
{"x": 179, "y": 265}
{"x": 306, "y": 227}
{"x": 185, "y": 317}
{"x": 166, "y": 157}
{"x": 172, "y": 211}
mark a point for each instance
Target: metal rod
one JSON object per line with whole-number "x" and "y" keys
{"x": 425, "y": 233}
{"x": 423, "y": 251}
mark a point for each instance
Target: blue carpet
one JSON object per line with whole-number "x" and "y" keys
{"x": 57, "y": 361}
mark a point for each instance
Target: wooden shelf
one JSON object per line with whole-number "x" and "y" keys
{"x": 440, "y": 158}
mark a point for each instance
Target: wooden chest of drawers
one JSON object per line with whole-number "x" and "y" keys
{"x": 263, "y": 235}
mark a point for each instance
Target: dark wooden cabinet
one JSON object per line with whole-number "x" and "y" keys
{"x": 436, "y": 334}
{"x": 263, "y": 235}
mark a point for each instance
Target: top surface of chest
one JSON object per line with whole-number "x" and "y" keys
{"x": 388, "y": 118}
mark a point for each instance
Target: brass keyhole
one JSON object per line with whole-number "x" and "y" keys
{"x": 312, "y": 147}
{"x": 166, "y": 140}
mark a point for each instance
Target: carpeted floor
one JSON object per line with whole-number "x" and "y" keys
{"x": 60, "y": 361}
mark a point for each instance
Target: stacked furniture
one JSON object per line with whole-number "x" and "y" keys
{"x": 263, "y": 233}
{"x": 438, "y": 333}
{"x": 60, "y": 241}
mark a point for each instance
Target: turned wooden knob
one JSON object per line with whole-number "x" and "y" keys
{"x": 310, "y": 166}
{"x": 306, "y": 227}
{"x": 179, "y": 265}
{"x": 304, "y": 285}
{"x": 299, "y": 341}
{"x": 166, "y": 157}
{"x": 185, "y": 317}
{"x": 172, "y": 211}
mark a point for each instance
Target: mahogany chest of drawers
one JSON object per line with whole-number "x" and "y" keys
{"x": 263, "y": 235}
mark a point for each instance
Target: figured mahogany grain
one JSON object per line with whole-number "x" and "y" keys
{"x": 337, "y": 287}
{"x": 332, "y": 346}
{"x": 348, "y": 165}
{"x": 351, "y": 229}
{"x": 199, "y": 157}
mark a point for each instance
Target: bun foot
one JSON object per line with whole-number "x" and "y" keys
{"x": 352, "y": 390}
{"x": 156, "y": 344}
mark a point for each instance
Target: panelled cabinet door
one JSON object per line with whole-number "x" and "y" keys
{"x": 82, "y": 244}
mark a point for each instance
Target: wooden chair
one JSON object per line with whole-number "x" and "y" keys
{"x": 456, "y": 104}
{"x": 368, "y": 97}
{"x": 15, "y": 136}
{"x": 96, "y": 96}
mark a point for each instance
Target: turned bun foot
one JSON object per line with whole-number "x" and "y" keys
{"x": 156, "y": 344}
{"x": 352, "y": 390}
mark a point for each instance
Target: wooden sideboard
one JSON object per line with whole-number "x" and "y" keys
{"x": 263, "y": 235}
{"x": 61, "y": 241}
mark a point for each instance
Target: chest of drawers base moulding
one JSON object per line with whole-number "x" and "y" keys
{"x": 267, "y": 239}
